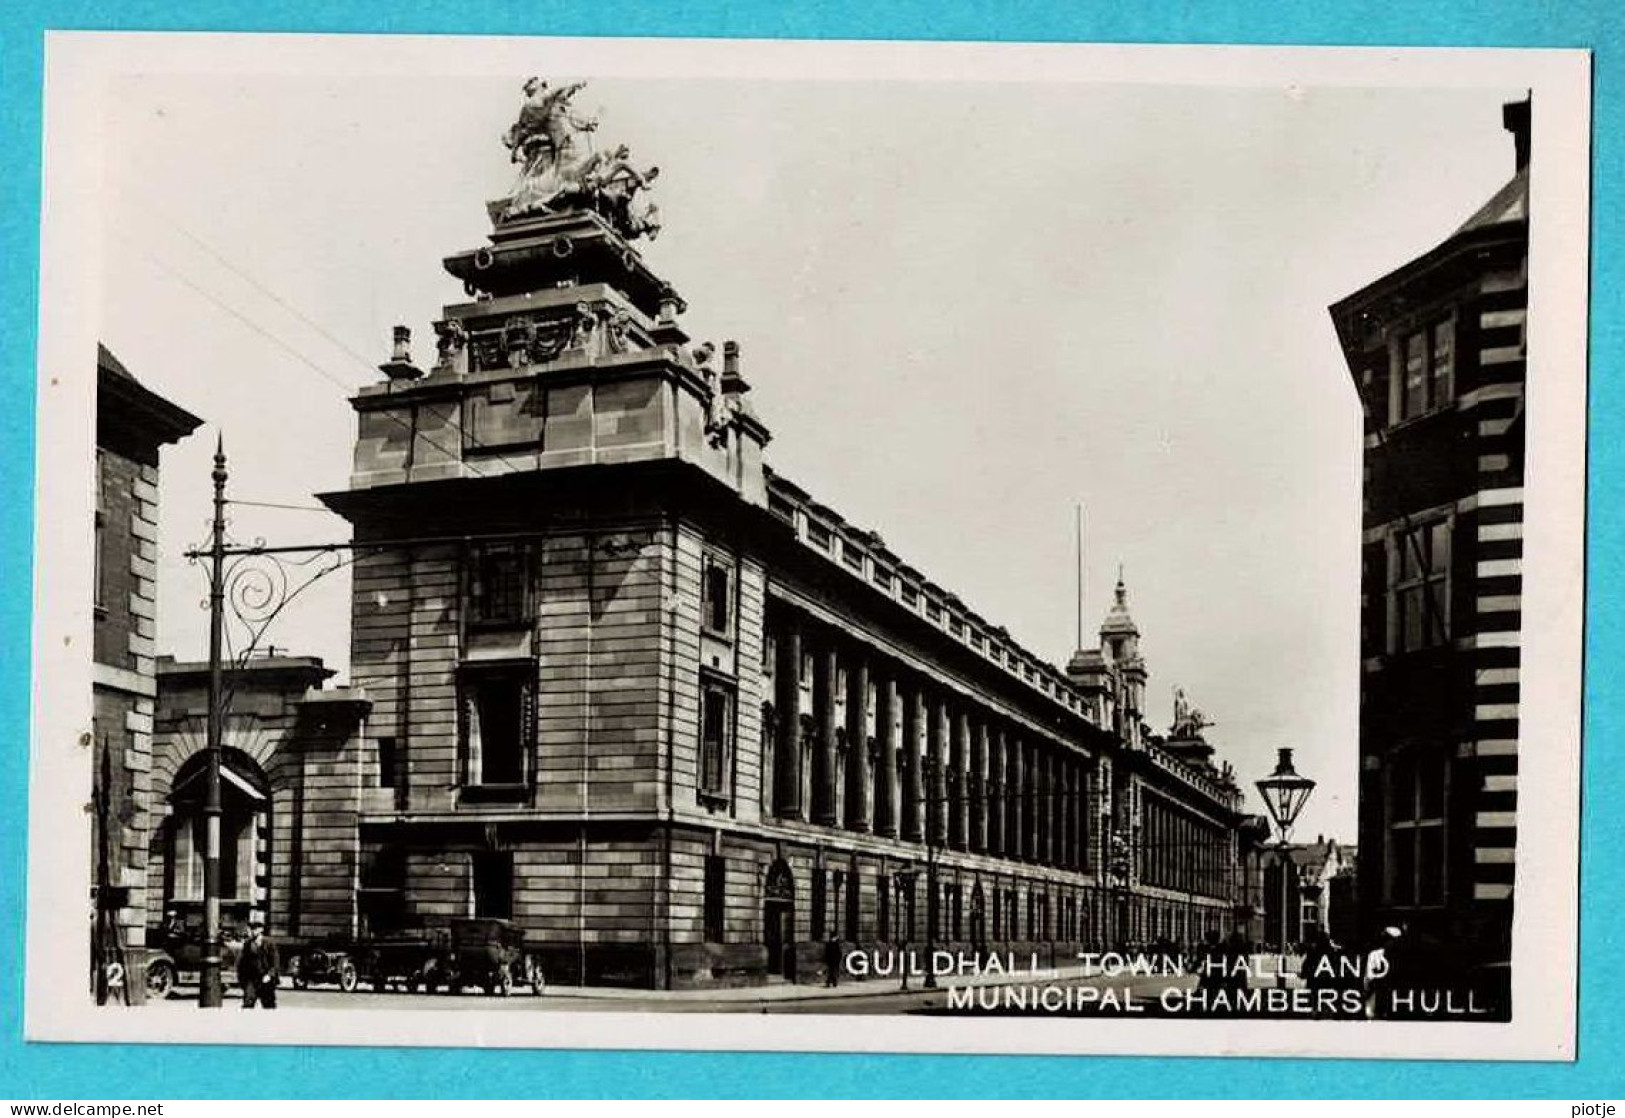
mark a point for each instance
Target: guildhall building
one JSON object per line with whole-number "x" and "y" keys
{"x": 629, "y": 687}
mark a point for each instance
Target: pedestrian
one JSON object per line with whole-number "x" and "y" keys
{"x": 1213, "y": 964}
{"x": 258, "y": 968}
{"x": 1381, "y": 963}
{"x": 1238, "y": 957}
{"x": 906, "y": 955}
{"x": 832, "y": 960}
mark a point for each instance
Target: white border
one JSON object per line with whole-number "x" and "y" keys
{"x": 1544, "y": 951}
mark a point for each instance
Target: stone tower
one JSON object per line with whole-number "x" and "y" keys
{"x": 532, "y": 570}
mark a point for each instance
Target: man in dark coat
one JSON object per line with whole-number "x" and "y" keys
{"x": 832, "y": 960}
{"x": 258, "y": 968}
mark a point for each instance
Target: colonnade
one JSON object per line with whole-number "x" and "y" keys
{"x": 879, "y": 747}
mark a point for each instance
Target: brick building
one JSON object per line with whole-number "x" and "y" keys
{"x": 133, "y": 423}
{"x": 1437, "y": 352}
{"x": 655, "y": 702}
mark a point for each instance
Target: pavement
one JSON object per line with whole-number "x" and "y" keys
{"x": 874, "y": 995}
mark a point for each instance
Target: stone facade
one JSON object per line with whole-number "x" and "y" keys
{"x": 1437, "y": 350}
{"x": 637, "y": 692}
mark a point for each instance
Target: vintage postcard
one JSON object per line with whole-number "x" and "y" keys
{"x": 833, "y": 546}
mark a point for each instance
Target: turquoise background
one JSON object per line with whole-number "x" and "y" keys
{"x": 44, "y": 1071}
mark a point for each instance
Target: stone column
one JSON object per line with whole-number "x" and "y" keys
{"x": 958, "y": 776}
{"x": 1063, "y": 777}
{"x": 937, "y": 772}
{"x": 1046, "y": 813}
{"x": 787, "y": 704}
{"x": 914, "y": 719}
{"x": 1030, "y": 802}
{"x": 859, "y": 791}
{"x": 995, "y": 789}
{"x": 1074, "y": 810}
{"x": 1057, "y": 813}
{"x": 1015, "y": 798}
{"x": 978, "y": 786}
{"x": 886, "y": 784}
{"x": 825, "y": 797}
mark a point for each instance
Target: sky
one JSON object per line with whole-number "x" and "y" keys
{"x": 966, "y": 309}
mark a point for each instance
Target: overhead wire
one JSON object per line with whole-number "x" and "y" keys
{"x": 221, "y": 258}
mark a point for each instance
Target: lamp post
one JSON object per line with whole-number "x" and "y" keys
{"x": 1284, "y": 793}
{"x": 209, "y": 983}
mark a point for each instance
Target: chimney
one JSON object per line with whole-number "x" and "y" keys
{"x": 399, "y": 366}
{"x": 1515, "y": 119}
{"x": 732, "y": 380}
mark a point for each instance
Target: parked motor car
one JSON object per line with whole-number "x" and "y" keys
{"x": 492, "y": 954}
{"x": 330, "y": 962}
{"x": 409, "y": 958}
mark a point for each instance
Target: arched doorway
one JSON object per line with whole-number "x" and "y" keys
{"x": 245, "y": 833}
{"x": 779, "y": 920}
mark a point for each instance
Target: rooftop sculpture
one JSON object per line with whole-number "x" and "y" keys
{"x": 560, "y": 170}
{"x": 1188, "y": 721}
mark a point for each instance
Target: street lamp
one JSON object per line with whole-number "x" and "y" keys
{"x": 1284, "y": 793}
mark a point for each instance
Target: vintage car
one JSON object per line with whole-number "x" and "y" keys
{"x": 329, "y": 962}
{"x": 490, "y": 954}
{"x": 409, "y": 959}
{"x": 175, "y": 956}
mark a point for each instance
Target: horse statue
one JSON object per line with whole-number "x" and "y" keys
{"x": 558, "y": 168}
{"x": 543, "y": 142}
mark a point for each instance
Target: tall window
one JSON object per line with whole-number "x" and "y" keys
{"x": 717, "y": 597}
{"x": 882, "y": 907}
{"x": 1427, "y": 362}
{"x": 818, "y": 901}
{"x": 497, "y": 725}
{"x": 1420, "y": 593}
{"x": 716, "y": 880}
{"x": 498, "y": 585}
{"x": 386, "y": 762}
{"x": 716, "y": 736}
{"x": 1416, "y": 848}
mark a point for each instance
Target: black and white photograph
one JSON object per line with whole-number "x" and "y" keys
{"x": 833, "y": 546}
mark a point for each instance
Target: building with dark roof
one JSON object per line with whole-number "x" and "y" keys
{"x": 133, "y": 424}
{"x": 1437, "y": 350}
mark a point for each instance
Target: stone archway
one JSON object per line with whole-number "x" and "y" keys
{"x": 245, "y": 838}
{"x": 779, "y": 920}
